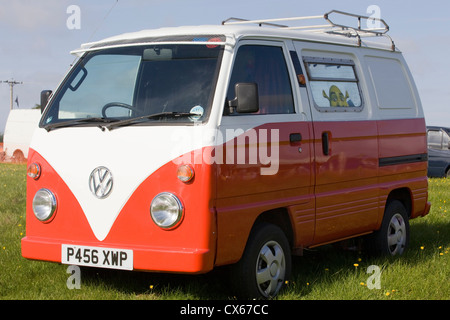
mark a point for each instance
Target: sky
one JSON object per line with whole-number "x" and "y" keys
{"x": 36, "y": 36}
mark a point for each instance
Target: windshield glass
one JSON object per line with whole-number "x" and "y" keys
{"x": 134, "y": 82}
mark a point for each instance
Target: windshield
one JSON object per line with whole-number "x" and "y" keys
{"x": 129, "y": 83}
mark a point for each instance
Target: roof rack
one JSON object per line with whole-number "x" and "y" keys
{"x": 331, "y": 27}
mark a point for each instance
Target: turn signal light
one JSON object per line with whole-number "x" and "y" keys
{"x": 34, "y": 171}
{"x": 185, "y": 173}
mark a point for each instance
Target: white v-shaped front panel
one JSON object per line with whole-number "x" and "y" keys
{"x": 131, "y": 154}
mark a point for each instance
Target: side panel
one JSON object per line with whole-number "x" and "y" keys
{"x": 403, "y": 161}
{"x": 367, "y": 142}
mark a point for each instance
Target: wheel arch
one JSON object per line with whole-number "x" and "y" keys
{"x": 279, "y": 217}
{"x": 404, "y": 196}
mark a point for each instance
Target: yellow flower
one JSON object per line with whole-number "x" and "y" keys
{"x": 356, "y": 265}
{"x": 388, "y": 293}
{"x": 422, "y": 247}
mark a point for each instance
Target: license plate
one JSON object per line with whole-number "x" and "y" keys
{"x": 97, "y": 257}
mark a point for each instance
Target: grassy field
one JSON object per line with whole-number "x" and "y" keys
{"x": 326, "y": 273}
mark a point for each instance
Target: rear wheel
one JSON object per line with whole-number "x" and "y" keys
{"x": 393, "y": 237}
{"x": 265, "y": 265}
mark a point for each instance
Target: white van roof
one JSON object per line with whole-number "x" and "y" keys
{"x": 234, "y": 29}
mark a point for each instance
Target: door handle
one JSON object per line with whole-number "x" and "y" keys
{"x": 326, "y": 143}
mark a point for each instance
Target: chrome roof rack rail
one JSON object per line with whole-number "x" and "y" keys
{"x": 330, "y": 28}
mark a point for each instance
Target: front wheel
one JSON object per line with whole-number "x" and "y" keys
{"x": 265, "y": 265}
{"x": 393, "y": 237}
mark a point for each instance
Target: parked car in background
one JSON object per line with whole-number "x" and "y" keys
{"x": 438, "y": 151}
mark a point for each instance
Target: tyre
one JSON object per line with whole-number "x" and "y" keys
{"x": 265, "y": 265}
{"x": 393, "y": 237}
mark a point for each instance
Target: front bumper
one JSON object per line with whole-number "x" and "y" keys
{"x": 176, "y": 260}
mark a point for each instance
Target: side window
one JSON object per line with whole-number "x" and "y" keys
{"x": 434, "y": 138}
{"x": 265, "y": 66}
{"x": 334, "y": 84}
{"x": 445, "y": 141}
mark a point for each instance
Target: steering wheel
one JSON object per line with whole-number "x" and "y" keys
{"x": 117, "y": 104}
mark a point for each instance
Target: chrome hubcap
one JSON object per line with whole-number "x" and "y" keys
{"x": 270, "y": 269}
{"x": 397, "y": 235}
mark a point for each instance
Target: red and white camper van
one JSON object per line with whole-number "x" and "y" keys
{"x": 183, "y": 149}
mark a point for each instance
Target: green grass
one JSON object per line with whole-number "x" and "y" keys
{"x": 325, "y": 273}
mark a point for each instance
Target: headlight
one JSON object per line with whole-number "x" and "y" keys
{"x": 44, "y": 205}
{"x": 166, "y": 210}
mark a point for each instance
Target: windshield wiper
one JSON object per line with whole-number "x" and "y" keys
{"x": 170, "y": 114}
{"x": 76, "y": 122}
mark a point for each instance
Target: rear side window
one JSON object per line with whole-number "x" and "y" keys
{"x": 391, "y": 84}
{"x": 265, "y": 66}
{"x": 334, "y": 84}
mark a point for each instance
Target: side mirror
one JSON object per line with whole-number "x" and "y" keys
{"x": 45, "y": 95}
{"x": 246, "y": 100}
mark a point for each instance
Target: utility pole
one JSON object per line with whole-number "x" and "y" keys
{"x": 11, "y": 83}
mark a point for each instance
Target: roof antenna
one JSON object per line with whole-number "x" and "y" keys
{"x": 101, "y": 22}
{"x": 98, "y": 27}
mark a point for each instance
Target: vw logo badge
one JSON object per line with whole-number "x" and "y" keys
{"x": 101, "y": 182}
